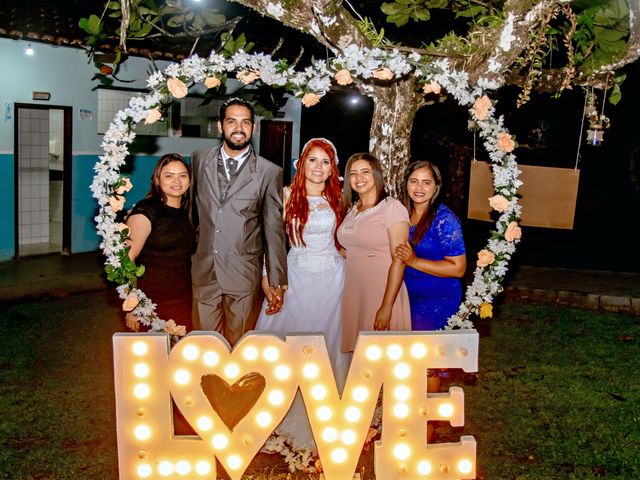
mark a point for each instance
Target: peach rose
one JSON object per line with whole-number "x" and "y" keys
{"x": 310, "y": 99}
{"x": 212, "y": 82}
{"x": 432, "y": 87}
{"x": 499, "y": 203}
{"x": 343, "y": 77}
{"x": 116, "y": 202}
{"x": 130, "y": 302}
{"x": 177, "y": 87}
{"x": 248, "y": 77}
{"x": 153, "y": 116}
{"x": 486, "y": 310}
{"x": 481, "y": 107}
{"x": 505, "y": 142}
{"x": 513, "y": 232}
{"x": 173, "y": 329}
{"x": 132, "y": 322}
{"x": 382, "y": 73}
{"x": 126, "y": 187}
{"x": 485, "y": 257}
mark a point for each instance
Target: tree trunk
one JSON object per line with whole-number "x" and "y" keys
{"x": 395, "y": 107}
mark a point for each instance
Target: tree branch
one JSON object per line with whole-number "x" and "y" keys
{"x": 328, "y": 21}
{"x": 497, "y": 50}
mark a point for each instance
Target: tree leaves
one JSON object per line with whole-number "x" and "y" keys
{"x": 91, "y": 25}
{"x": 401, "y": 11}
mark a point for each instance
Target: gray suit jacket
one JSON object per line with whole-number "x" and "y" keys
{"x": 235, "y": 233}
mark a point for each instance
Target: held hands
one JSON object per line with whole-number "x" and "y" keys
{"x": 405, "y": 253}
{"x": 275, "y": 299}
{"x": 383, "y": 318}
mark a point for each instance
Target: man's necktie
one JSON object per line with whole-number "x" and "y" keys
{"x": 232, "y": 166}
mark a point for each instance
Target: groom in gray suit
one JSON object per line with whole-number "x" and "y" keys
{"x": 238, "y": 200}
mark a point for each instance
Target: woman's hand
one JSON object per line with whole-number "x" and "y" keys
{"x": 405, "y": 253}
{"x": 383, "y": 318}
{"x": 275, "y": 299}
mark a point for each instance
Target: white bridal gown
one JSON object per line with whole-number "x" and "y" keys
{"x": 312, "y": 303}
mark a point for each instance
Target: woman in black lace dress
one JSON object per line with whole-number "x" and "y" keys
{"x": 162, "y": 238}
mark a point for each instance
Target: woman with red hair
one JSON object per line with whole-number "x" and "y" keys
{"x": 313, "y": 211}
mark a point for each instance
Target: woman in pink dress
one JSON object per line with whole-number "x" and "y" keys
{"x": 375, "y": 297}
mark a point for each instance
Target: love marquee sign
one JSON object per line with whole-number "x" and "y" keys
{"x": 148, "y": 373}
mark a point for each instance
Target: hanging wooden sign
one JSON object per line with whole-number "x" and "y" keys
{"x": 548, "y": 194}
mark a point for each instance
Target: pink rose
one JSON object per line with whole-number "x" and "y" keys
{"x": 153, "y": 116}
{"x": 173, "y": 329}
{"x": 382, "y": 73}
{"x": 126, "y": 187}
{"x": 116, "y": 202}
{"x": 481, "y": 107}
{"x": 248, "y": 77}
{"x": 343, "y": 77}
{"x": 485, "y": 257}
{"x": 177, "y": 87}
{"x": 310, "y": 99}
{"x": 513, "y": 232}
{"x": 212, "y": 82}
{"x": 499, "y": 203}
{"x": 505, "y": 142}
{"x": 130, "y": 302}
{"x": 432, "y": 87}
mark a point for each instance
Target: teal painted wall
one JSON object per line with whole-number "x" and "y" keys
{"x": 66, "y": 73}
{"x": 7, "y": 207}
{"x": 84, "y": 207}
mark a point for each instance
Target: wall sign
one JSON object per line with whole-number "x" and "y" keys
{"x": 148, "y": 373}
{"x": 41, "y": 95}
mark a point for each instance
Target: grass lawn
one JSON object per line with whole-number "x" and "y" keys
{"x": 557, "y": 395}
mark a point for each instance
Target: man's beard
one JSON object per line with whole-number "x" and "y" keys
{"x": 235, "y": 145}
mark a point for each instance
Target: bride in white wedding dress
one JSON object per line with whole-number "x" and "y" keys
{"x": 312, "y": 303}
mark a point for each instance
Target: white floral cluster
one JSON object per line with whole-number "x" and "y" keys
{"x": 296, "y": 459}
{"x": 488, "y": 276}
{"x": 362, "y": 62}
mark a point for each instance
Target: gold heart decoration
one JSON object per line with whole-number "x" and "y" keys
{"x": 233, "y": 402}
{"x": 232, "y": 399}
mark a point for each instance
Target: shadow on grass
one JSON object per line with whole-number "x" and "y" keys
{"x": 557, "y": 395}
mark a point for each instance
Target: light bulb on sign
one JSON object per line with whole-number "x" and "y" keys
{"x": 183, "y": 467}
{"x": 203, "y": 468}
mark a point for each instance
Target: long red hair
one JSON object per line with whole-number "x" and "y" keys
{"x": 297, "y": 208}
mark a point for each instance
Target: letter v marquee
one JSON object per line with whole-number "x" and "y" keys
{"x": 148, "y": 373}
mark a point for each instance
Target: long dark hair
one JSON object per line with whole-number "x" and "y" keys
{"x": 156, "y": 193}
{"x": 297, "y": 208}
{"x": 348, "y": 195}
{"x": 429, "y": 214}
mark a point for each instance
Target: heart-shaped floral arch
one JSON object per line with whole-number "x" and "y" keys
{"x": 109, "y": 186}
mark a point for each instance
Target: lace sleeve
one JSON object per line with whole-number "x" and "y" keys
{"x": 449, "y": 232}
